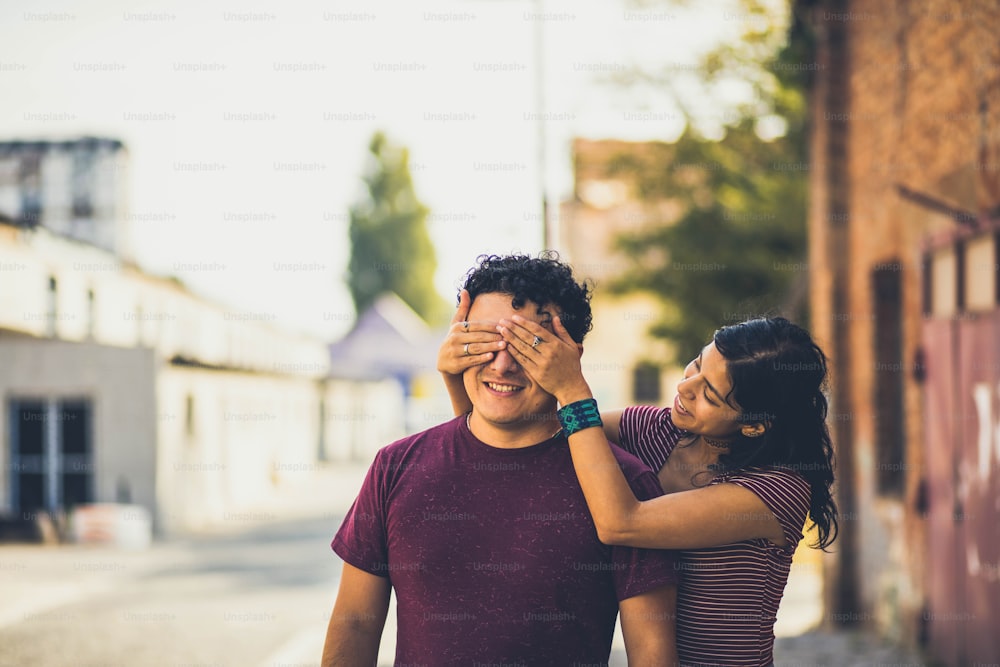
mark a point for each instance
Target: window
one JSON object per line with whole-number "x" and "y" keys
{"x": 943, "y": 290}
{"x": 83, "y": 183}
{"x": 646, "y": 383}
{"x": 996, "y": 268}
{"x": 52, "y": 461}
{"x": 889, "y": 378}
{"x": 90, "y": 314}
{"x": 321, "y": 441}
{"x": 189, "y": 415}
{"x": 52, "y": 312}
{"x": 28, "y": 462}
{"x": 31, "y": 191}
{"x": 77, "y": 460}
{"x": 980, "y": 264}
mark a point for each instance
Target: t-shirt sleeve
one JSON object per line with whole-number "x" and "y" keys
{"x": 638, "y": 571}
{"x": 631, "y": 426}
{"x": 785, "y": 493}
{"x": 362, "y": 539}
{"x": 646, "y": 432}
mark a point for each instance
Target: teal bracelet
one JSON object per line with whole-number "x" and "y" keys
{"x": 579, "y": 415}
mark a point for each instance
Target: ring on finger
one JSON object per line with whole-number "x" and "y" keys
{"x": 465, "y": 350}
{"x": 465, "y": 325}
{"x": 535, "y": 342}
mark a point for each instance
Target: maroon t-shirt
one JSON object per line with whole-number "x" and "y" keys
{"x": 492, "y": 553}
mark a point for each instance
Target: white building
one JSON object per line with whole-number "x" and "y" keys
{"x": 119, "y": 386}
{"x": 75, "y": 188}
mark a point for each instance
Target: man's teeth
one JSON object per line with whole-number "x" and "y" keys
{"x": 502, "y": 388}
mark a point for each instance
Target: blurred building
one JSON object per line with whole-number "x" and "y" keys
{"x": 904, "y": 235}
{"x": 75, "y": 188}
{"x": 623, "y": 363}
{"x": 388, "y": 359}
{"x": 120, "y": 386}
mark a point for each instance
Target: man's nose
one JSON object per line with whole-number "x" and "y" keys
{"x": 504, "y": 362}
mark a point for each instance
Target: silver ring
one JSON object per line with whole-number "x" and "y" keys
{"x": 465, "y": 325}
{"x": 535, "y": 342}
{"x": 465, "y": 349}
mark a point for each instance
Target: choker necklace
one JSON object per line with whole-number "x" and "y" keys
{"x": 720, "y": 444}
{"x": 468, "y": 425}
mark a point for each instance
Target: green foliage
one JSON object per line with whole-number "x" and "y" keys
{"x": 737, "y": 248}
{"x": 391, "y": 250}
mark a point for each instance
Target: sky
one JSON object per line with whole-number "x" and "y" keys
{"x": 247, "y": 124}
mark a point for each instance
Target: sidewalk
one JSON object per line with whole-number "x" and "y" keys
{"x": 38, "y": 579}
{"x": 819, "y": 648}
{"x": 841, "y": 649}
{"x": 799, "y": 643}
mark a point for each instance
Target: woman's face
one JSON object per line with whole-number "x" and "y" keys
{"x": 700, "y": 406}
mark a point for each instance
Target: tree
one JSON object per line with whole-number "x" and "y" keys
{"x": 738, "y": 246}
{"x": 391, "y": 250}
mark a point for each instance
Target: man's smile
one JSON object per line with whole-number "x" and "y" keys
{"x": 503, "y": 388}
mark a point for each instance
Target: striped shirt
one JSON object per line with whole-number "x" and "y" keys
{"x": 728, "y": 595}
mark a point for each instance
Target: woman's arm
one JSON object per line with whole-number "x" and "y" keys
{"x": 460, "y": 402}
{"x": 704, "y": 517}
{"x": 482, "y": 340}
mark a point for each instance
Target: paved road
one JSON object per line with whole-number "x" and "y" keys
{"x": 258, "y": 598}
{"x": 245, "y": 592}
{"x": 842, "y": 649}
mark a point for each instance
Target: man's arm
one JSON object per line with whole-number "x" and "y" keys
{"x": 612, "y": 423}
{"x": 649, "y": 627}
{"x": 355, "y": 629}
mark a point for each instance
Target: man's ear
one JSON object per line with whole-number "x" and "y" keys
{"x": 579, "y": 348}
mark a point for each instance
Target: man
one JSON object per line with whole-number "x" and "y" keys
{"x": 480, "y": 526}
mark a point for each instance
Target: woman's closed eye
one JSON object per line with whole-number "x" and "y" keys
{"x": 697, "y": 365}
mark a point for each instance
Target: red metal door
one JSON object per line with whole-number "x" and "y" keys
{"x": 979, "y": 484}
{"x": 943, "y": 435}
{"x": 962, "y": 427}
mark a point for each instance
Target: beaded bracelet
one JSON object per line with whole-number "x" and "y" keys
{"x": 579, "y": 415}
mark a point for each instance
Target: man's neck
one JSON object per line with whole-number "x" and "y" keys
{"x": 518, "y": 435}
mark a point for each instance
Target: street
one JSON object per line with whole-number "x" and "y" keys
{"x": 257, "y": 598}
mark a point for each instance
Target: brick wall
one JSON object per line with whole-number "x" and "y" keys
{"x": 907, "y": 96}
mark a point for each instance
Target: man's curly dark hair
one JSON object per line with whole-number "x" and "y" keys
{"x": 545, "y": 280}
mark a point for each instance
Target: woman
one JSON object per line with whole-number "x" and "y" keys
{"x": 744, "y": 455}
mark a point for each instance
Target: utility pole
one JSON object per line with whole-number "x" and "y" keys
{"x": 550, "y": 232}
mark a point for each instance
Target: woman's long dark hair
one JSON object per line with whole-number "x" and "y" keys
{"x": 778, "y": 375}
